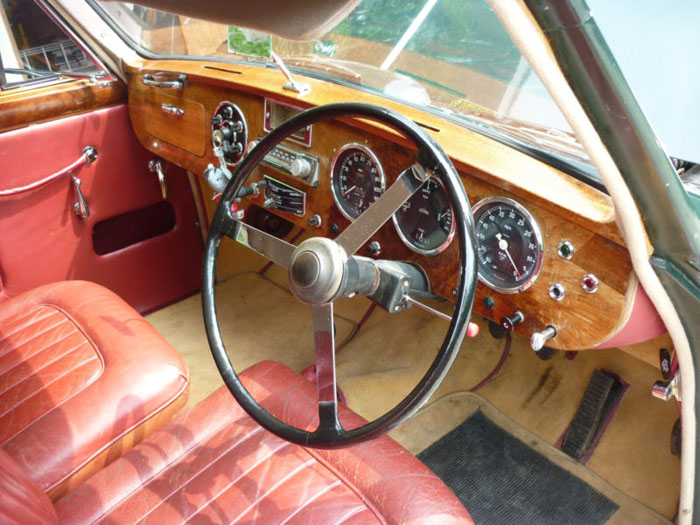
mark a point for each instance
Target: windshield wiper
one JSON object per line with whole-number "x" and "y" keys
{"x": 45, "y": 73}
{"x": 292, "y": 83}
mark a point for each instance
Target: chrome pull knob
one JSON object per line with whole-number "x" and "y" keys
{"x": 538, "y": 339}
{"x": 172, "y": 110}
{"x": 300, "y": 168}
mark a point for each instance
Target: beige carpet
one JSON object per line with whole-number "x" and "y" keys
{"x": 261, "y": 320}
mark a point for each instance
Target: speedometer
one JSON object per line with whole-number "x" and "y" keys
{"x": 357, "y": 180}
{"x": 509, "y": 244}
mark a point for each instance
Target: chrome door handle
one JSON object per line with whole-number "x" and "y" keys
{"x": 80, "y": 206}
{"x": 172, "y": 110}
{"x": 156, "y": 166}
{"x": 150, "y": 80}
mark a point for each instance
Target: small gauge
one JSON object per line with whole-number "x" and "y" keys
{"x": 509, "y": 244}
{"x": 357, "y": 180}
{"x": 424, "y": 222}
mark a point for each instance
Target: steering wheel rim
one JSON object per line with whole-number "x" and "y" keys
{"x": 432, "y": 158}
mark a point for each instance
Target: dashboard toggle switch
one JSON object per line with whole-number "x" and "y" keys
{"x": 508, "y": 323}
{"x": 538, "y": 339}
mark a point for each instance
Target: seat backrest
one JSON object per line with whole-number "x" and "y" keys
{"x": 22, "y": 501}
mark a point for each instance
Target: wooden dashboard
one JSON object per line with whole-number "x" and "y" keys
{"x": 565, "y": 209}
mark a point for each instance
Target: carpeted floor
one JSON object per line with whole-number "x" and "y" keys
{"x": 383, "y": 361}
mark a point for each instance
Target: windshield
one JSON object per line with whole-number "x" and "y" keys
{"x": 448, "y": 56}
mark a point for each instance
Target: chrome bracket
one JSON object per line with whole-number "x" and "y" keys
{"x": 667, "y": 389}
{"x": 80, "y": 206}
{"x": 90, "y": 154}
{"x": 156, "y": 166}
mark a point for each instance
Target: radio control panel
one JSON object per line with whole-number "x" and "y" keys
{"x": 301, "y": 166}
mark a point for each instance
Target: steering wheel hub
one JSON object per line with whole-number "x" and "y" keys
{"x": 316, "y": 270}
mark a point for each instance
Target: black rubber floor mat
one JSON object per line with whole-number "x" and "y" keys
{"x": 502, "y": 480}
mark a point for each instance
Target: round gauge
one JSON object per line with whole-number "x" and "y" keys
{"x": 425, "y": 222}
{"x": 509, "y": 245}
{"x": 357, "y": 180}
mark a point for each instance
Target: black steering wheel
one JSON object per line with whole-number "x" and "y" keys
{"x": 320, "y": 270}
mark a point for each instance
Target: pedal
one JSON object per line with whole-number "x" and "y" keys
{"x": 601, "y": 397}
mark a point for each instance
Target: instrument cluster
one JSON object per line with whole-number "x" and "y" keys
{"x": 509, "y": 240}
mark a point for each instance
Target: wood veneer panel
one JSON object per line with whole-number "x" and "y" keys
{"x": 25, "y": 105}
{"x": 565, "y": 209}
{"x": 483, "y": 157}
{"x": 169, "y": 127}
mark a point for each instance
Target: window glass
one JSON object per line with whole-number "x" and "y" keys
{"x": 452, "y": 57}
{"x": 34, "y": 48}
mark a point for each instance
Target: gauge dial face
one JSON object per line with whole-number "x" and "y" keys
{"x": 425, "y": 221}
{"x": 509, "y": 245}
{"x": 357, "y": 180}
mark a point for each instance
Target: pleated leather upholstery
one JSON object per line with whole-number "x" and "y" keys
{"x": 83, "y": 377}
{"x": 215, "y": 465}
{"x": 44, "y": 360}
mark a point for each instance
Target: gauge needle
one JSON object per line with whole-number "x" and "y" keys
{"x": 348, "y": 190}
{"x": 503, "y": 245}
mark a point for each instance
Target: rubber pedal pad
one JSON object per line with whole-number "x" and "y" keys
{"x": 588, "y": 416}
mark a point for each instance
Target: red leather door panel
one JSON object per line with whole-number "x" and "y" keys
{"x": 42, "y": 240}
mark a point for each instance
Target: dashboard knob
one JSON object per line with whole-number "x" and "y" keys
{"x": 538, "y": 339}
{"x": 300, "y": 168}
{"x": 508, "y": 323}
{"x": 217, "y": 178}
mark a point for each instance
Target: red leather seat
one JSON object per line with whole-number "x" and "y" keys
{"x": 216, "y": 465}
{"x": 83, "y": 377}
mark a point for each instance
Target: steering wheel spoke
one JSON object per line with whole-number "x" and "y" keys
{"x": 269, "y": 246}
{"x": 324, "y": 345}
{"x": 367, "y": 224}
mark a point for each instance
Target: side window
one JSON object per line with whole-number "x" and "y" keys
{"x": 34, "y": 48}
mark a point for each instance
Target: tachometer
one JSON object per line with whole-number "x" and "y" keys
{"x": 357, "y": 180}
{"x": 425, "y": 222}
{"x": 510, "y": 248}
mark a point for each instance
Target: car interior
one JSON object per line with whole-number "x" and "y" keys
{"x": 234, "y": 293}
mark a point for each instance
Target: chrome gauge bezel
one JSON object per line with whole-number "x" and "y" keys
{"x": 488, "y": 201}
{"x": 371, "y": 155}
{"x": 445, "y": 244}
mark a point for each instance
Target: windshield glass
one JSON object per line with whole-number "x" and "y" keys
{"x": 450, "y": 56}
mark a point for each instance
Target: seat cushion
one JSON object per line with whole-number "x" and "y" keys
{"x": 22, "y": 501}
{"x": 214, "y": 464}
{"x": 83, "y": 377}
